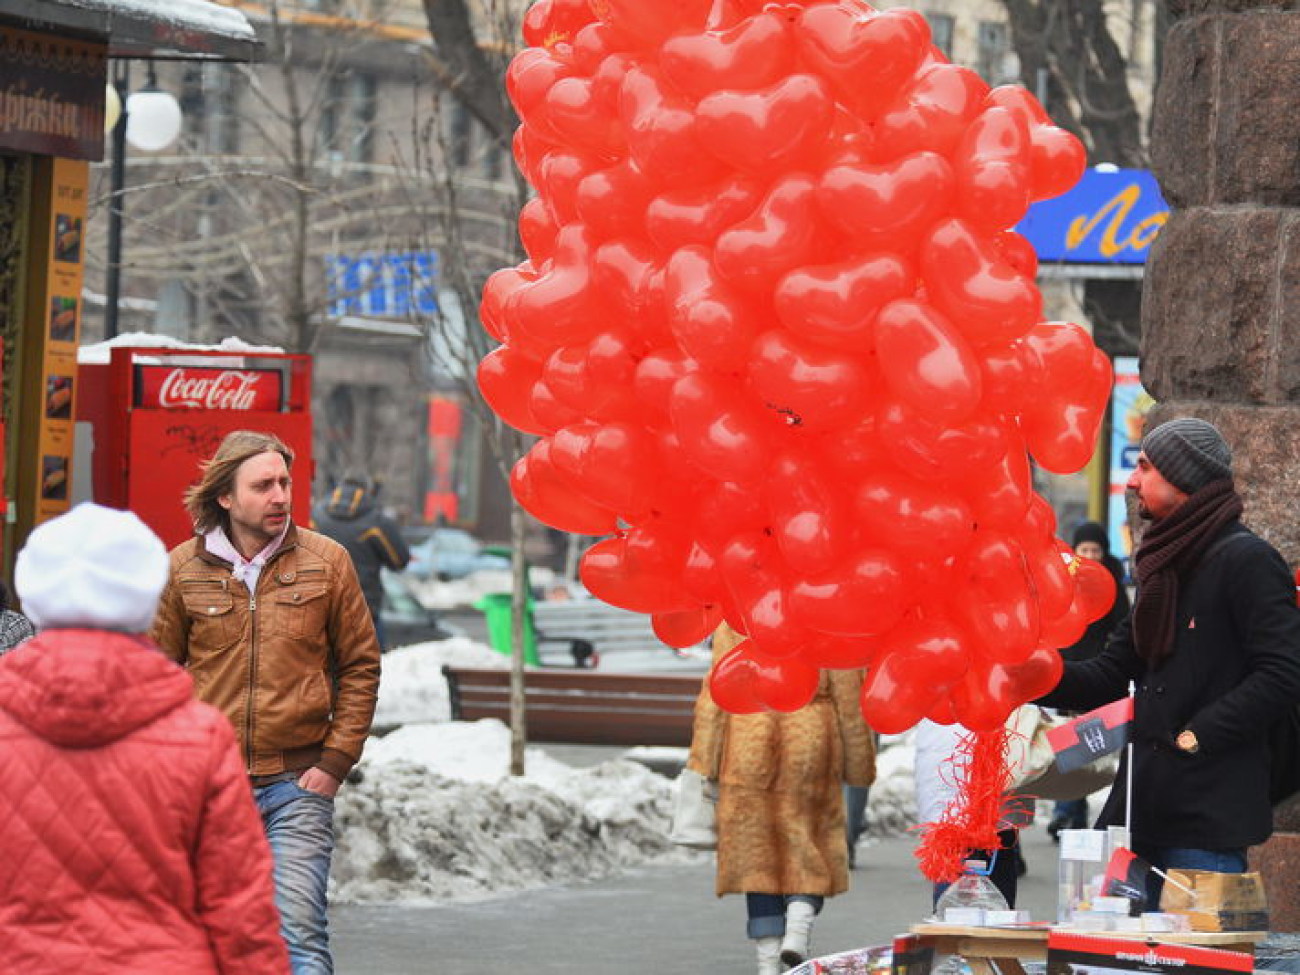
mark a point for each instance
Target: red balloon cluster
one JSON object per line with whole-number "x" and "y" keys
{"x": 780, "y": 344}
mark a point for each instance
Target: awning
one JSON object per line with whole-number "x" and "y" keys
{"x": 146, "y": 29}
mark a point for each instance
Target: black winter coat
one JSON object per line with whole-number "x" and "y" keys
{"x": 374, "y": 541}
{"x": 1234, "y": 671}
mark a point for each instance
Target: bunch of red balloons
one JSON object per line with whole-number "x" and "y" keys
{"x": 779, "y": 343}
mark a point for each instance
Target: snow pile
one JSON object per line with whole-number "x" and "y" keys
{"x": 432, "y": 814}
{"x": 436, "y": 817}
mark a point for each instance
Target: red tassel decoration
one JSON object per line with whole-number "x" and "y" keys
{"x": 981, "y": 772}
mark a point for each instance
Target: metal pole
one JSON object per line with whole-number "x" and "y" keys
{"x": 113, "y": 283}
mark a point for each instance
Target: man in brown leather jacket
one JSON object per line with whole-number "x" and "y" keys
{"x": 271, "y": 623}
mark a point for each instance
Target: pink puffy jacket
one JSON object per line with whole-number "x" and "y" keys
{"x": 129, "y": 838}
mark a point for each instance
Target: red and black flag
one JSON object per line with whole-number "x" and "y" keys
{"x": 1092, "y": 735}
{"x": 1126, "y": 876}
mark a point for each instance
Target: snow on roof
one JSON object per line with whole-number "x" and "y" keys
{"x": 99, "y": 353}
{"x": 197, "y": 15}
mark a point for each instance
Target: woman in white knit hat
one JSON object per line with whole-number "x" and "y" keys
{"x": 130, "y": 836}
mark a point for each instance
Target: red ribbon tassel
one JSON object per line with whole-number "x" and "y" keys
{"x": 980, "y": 772}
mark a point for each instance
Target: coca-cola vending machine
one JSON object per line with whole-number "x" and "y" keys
{"x": 155, "y": 414}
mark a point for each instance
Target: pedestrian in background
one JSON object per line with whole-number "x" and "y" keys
{"x": 780, "y": 815}
{"x": 1213, "y": 647}
{"x": 131, "y": 842}
{"x": 1090, "y": 542}
{"x": 352, "y": 518}
{"x": 14, "y": 626}
{"x": 270, "y": 620}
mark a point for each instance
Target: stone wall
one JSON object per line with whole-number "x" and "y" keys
{"x": 1221, "y": 303}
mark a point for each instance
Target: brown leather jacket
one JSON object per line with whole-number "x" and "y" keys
{"x": 295, "y": 669}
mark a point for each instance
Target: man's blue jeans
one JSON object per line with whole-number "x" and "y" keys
{"x": 300, "y": 828}
{"x": 1185, "y": 858}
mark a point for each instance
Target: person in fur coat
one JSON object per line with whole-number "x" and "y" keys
{"x": 780, "y": 815}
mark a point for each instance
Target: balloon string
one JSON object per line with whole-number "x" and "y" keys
{"x": 980, "y": 771}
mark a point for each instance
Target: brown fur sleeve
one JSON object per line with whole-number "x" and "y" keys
{"x": 857, "y": 738}
{"x": 709, "y": 731}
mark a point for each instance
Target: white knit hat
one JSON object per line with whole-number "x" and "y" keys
{"x": 94, "y": 568}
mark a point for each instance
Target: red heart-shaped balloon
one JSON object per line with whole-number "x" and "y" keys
{"x": 979, "y": 292}
{"x": 506, "y": 380}
{"x": 648, "y": 25}
{"x": 537, "y": 230}
{"x": 809, "y": 517}
{"x": 660, "y": 129}
{"x": 594, "y": 379}
{"x": 731, "y": 683}
{"x": 1058, "y": 159}
{"x": 866, "y": 55}
{"x": 917, "y": 518}
{"x": 710, "y": 320}
{"x": 697, "y": 214}
{"x": 550, "y": 22}
{"x": 540, "y": 490}
{"x": 580, "y": 116}
{"x": 893, "y": 699}
{"x": 1074, "y": 380}
{"x": 656, "y": 374}
{"x": 891, "y": 205}
{"x": 926, "y": 362}
{"x": 779, "y": 236}
{"x": 930, "y": 113}
{"x": 498, "y": 288}
{"x": 560, "y": 306}
{"x": 994, "y": 599}
{"x": 529, "y": 78}
{"x": 936, "y": 451}
{"x": 993, "y": 166}
{"x": 687, "y": 627}
{"x": 807, "y": 385}
{"x": 559, "y": 174}
{"x": 864, "y": 596}
{"x": 751, "y": 54}
{"x": 612, "y": 202}
{"x": 770, "y": 130}
{"x": 836, "y": 304}
{"x": 720, "y": 431}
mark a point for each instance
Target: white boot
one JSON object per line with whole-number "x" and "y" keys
{"x": 769, "y": 956}
{"x": 798, "y": 932}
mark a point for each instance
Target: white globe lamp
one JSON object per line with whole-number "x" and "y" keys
{"x": 153, "y": 119}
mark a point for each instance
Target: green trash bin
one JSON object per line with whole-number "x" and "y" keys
{"x": 495, "y": 607}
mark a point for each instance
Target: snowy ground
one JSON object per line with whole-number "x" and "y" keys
{"x": 435, "y": 816}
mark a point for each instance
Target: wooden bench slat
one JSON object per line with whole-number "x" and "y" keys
{"x": 584, "y": 707}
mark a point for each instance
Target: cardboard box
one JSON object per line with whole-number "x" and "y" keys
{"x": 1218, "y": 901}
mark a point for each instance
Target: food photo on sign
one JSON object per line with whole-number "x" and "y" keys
{"x": 780, "y": 346}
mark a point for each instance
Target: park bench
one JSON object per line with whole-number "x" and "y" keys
{"x": 594, "y": 631}
{"x": 582, "y": 706}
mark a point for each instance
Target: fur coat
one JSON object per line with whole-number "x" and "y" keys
{"x": 780, "y": 804}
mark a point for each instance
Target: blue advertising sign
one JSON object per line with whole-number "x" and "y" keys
{"x": 1110, "y": 217}
{"x": 1128, "y": 410}
{"x": 382, "y": 285}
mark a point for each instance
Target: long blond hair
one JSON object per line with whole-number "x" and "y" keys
{"x": 218, "y": 478}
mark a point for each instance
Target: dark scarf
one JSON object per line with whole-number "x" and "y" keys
{"x": 1172, "y": 547}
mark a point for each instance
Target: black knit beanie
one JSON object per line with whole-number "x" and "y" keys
{"x": 1189, "y": 453}
{"x": 1091, "y": 531}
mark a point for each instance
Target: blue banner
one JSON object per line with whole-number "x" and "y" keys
{"x": 382, "y": 285}
{"x": 1110, "y": 217}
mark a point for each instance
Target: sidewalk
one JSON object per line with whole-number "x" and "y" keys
{"x": 654, "y": 921}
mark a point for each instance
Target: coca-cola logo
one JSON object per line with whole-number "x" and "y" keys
{"x": 210, "y": 390}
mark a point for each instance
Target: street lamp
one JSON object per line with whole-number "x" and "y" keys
{"x": 150, "y": 120}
